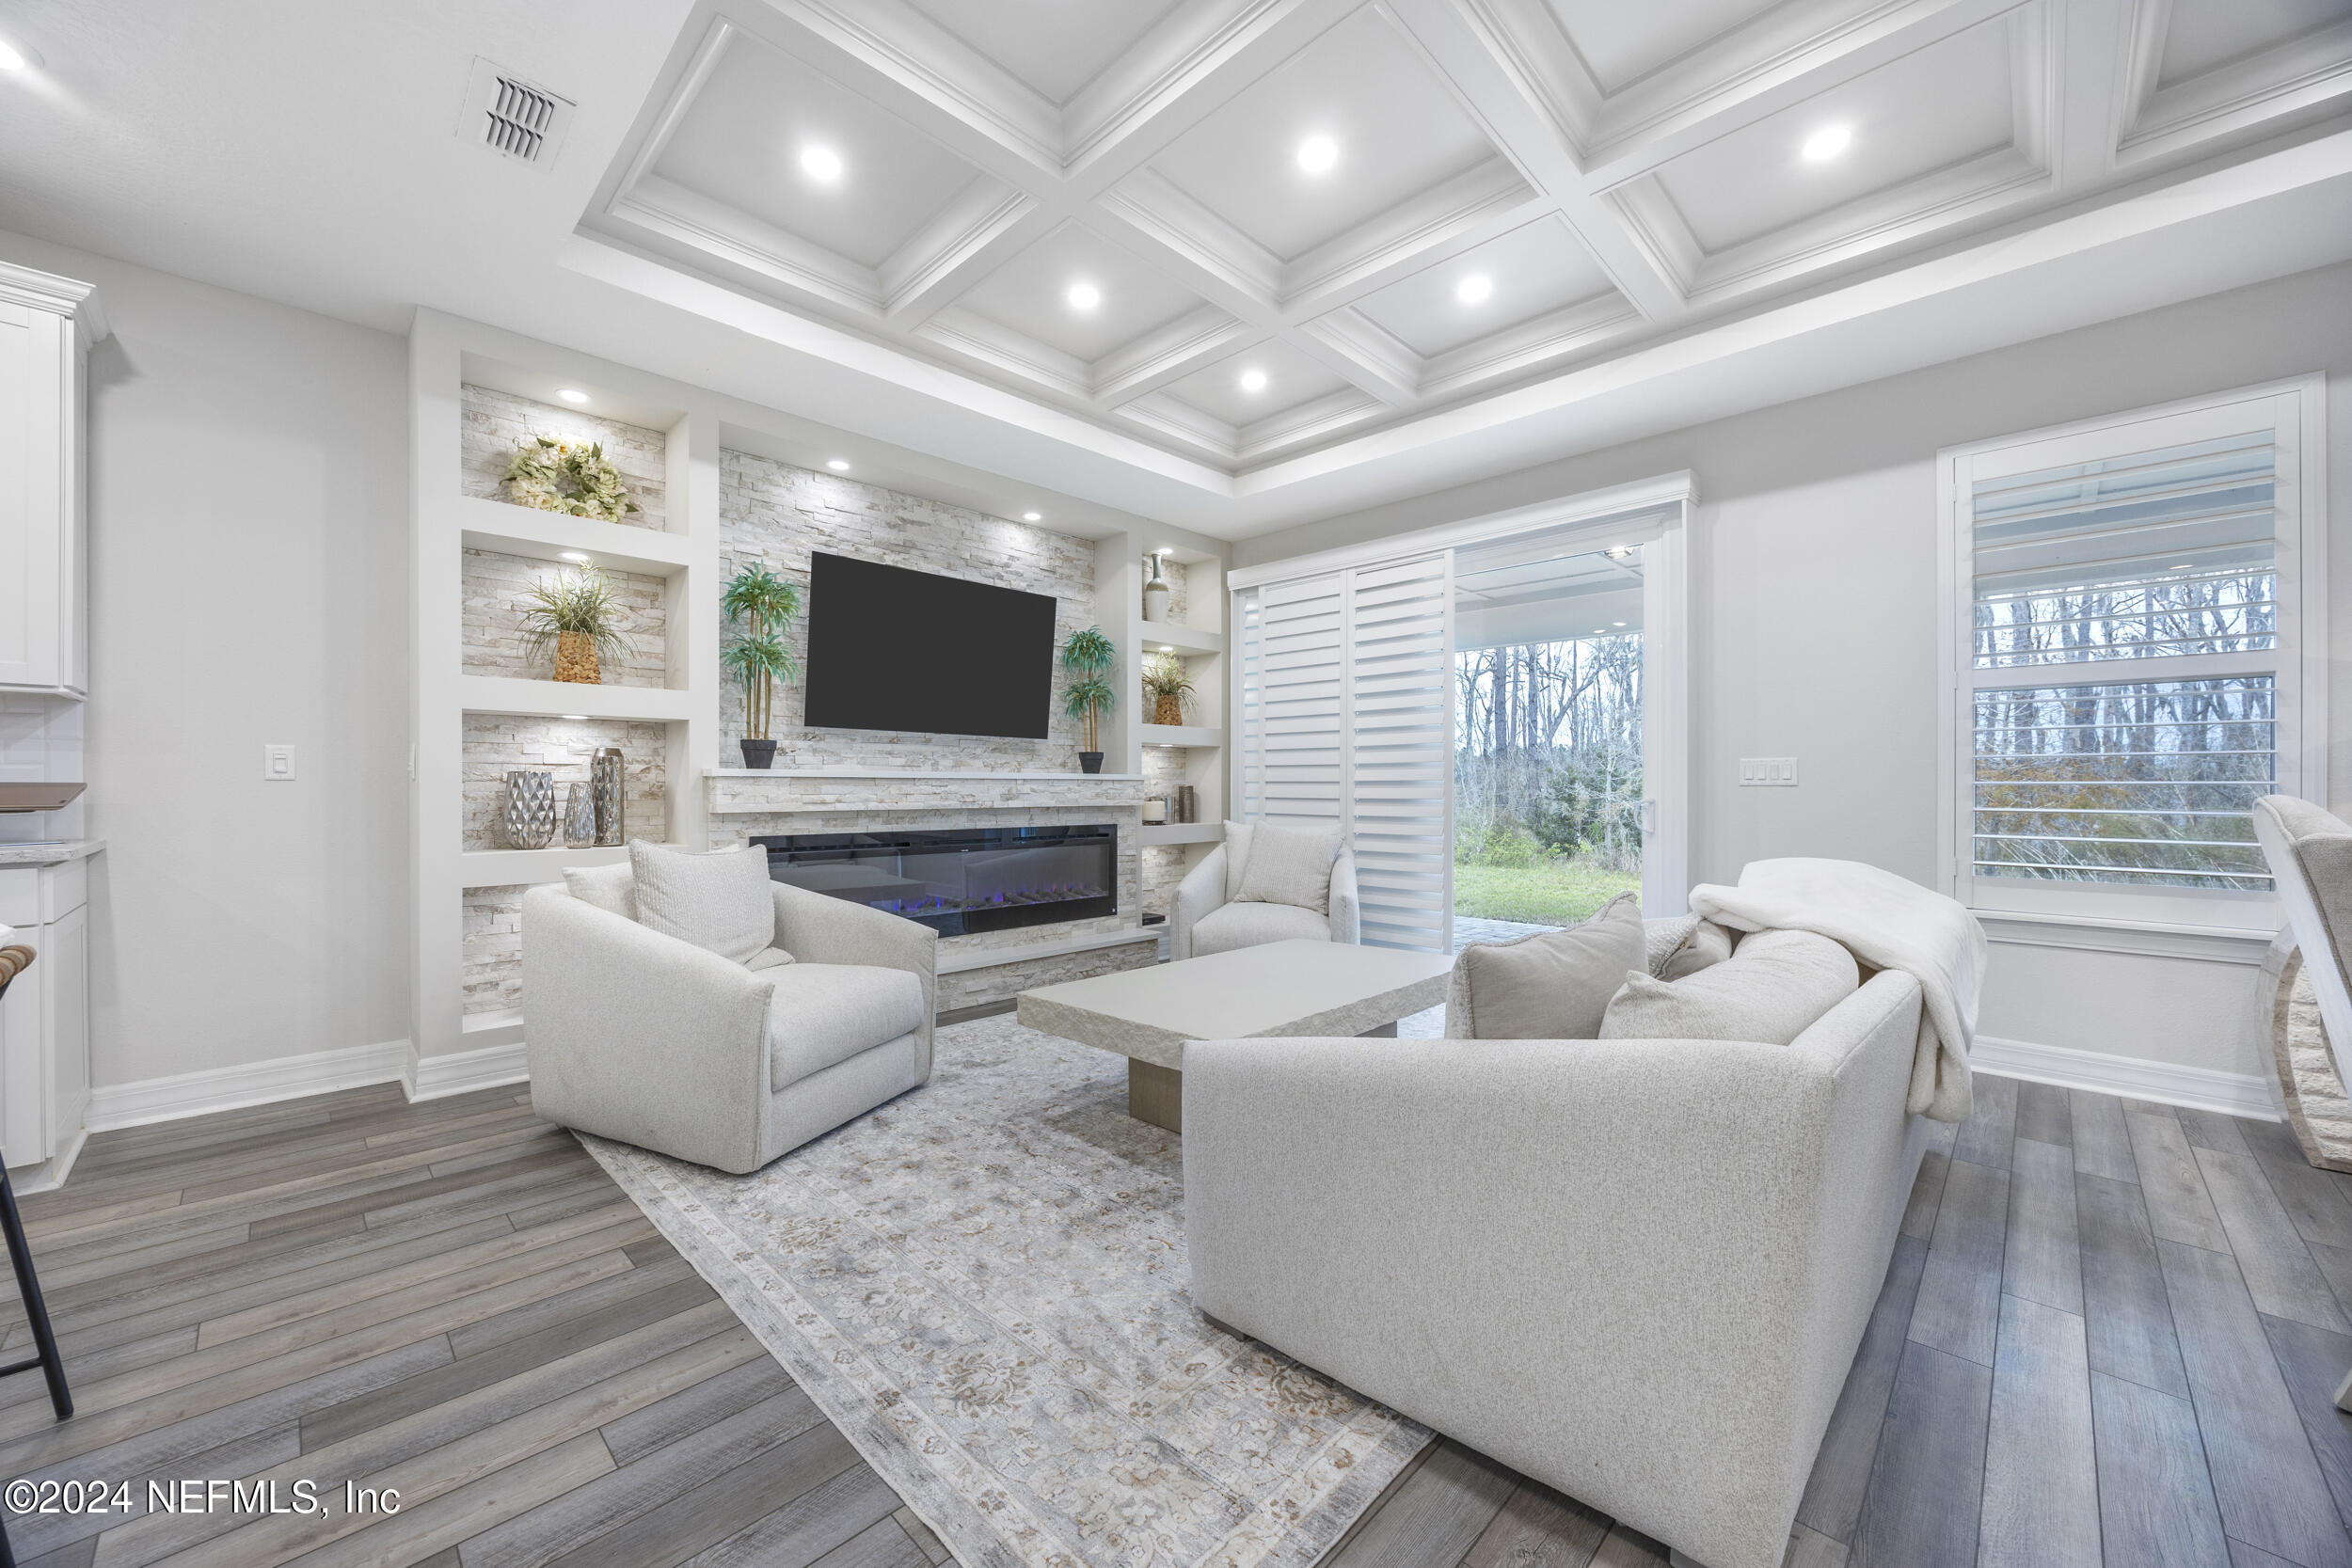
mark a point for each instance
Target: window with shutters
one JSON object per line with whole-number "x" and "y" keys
{"x": 2134, "y": 642}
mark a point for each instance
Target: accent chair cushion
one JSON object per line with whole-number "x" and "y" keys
{"x": 612, "y": 887}
{"x": 2323, "y": 853}
{"x": 1550, "y": 985}
{"x": 821, "y": 1014}
{"x": 721, "y": 902}
{"x": 1773, "y": 987}
{"x": 1231, "y": 925}
{"x": 1290, "y": 865}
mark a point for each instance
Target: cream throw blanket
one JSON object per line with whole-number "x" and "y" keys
{"x": 1888, "y": 923}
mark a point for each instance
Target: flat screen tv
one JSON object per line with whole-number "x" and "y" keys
{"x": 894, "y": 649}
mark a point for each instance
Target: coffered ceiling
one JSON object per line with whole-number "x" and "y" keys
{"x": 1242, "y": 230}
{"x": 1531, "y": 228}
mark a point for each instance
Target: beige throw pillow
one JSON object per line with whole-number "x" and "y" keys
{"x": 1773, "y": 987}
{"x": 1290, "y": 865}
{"x": 1708, "y": 945}
{"x": 612, "y": 887}
{"x": 719, "y": 902}
{"x": 1237, "y": 837}
{"x": 1552, "y": 986}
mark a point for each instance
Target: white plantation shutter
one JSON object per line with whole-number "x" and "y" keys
{"x": 1399, "y": 705}
{"x": 1344, "y": 700}
{"x": 2129, "y": 672}
{"x": 1302, "y": 748}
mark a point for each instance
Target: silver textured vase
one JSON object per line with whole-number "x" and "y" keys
{"x": 579, "y": 815}
{"x": 529, "y": 817}
{"x": 611, "y": 793}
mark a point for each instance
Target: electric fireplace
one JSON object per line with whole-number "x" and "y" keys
{"x": 959, "y": 880}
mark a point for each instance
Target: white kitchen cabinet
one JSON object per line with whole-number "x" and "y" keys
{"x": 47, "y": 325}
{"x": 44, "y": 1016}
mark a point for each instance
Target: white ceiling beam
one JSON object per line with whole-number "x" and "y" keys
{"x": 2093, "y": 75}
{"x": 1478, "y": 63}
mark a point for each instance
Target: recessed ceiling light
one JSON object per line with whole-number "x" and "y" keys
{"x": 576, "y": 558}
{"x": 1616, "y": 623}
{"x": 1253, "y": 380}
{"x": 17, "y": 56}
{"x": 2183, "y": 566}
{"x": 573, "y": 394}
{"x": 820, "y": 163}
{"x": 839, "y": 464}
{"x": 1084, "y": 296}
{"x": 1827, "y": 143}
{"x": 1474, "y": 289}
{"x": 575, "y": 718}
{"x": 1168, "y": 647}
{"x": 1318, "y": 154}
{"x": 1033, "y": 516}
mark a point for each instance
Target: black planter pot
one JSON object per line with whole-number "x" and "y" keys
{"x": 1089, "y": 762}
{"x": 759, "y": 753}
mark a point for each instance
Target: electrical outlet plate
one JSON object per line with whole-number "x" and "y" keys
{"x": 1767, "y": 773}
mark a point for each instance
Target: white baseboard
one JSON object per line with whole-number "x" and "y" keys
{"x": 48, "y": 1175}
{"x": 2236, "y": 1094}
{"x": 231, "y": 1088}
{"x": 462, "y": 1071}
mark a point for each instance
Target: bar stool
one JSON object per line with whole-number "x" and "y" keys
{"x": 12, "y": 963}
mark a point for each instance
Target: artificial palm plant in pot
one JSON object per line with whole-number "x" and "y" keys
{"x": 1169, "y": 688}
{"x": 576, "y": 617}
{"x": 1087, "y": 656}
{"x": 760, "y": 606}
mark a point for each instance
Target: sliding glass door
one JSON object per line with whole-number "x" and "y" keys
{"x": 1547, "y": 776}
{"x": 1491, "y": 715}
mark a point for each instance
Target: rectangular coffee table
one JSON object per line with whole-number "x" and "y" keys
{"x": 1300, "y": 989}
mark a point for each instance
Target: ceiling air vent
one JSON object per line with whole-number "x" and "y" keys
{"x": 513, "y": 118}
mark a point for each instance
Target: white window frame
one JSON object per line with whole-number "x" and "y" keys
{"x": 2295, "y": 412}
{"x": 1653, "y": 513}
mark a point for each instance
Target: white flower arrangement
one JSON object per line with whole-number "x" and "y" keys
{"x": 560, "y": 476}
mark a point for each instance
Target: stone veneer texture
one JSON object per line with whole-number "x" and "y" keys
{"x": 492, "y": 592}
{"x": 493, "y": 424}
{"x": 773, "y": 512}
{"x": 491, "y": 930}
{"x": 495, "y": 742}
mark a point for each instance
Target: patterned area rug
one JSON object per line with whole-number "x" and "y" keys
{"x": 983, "y": 1284}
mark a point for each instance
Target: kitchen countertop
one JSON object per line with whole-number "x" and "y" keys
{"x": 49, "y": 854}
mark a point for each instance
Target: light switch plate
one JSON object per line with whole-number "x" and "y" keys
{"x": 1767, "y": 773}
{"x": 277, "y": 763}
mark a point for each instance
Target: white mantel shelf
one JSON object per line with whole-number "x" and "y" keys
{"x": 904, "y": 791}
{"x": 906, "y": 773}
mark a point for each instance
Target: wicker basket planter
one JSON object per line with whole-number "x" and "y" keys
{"x": 576, "y": 658}
{"x": 1168, "y": 709}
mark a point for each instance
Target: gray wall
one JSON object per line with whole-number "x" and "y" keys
{"x": 1813, "y": 599}
{"x": 248, "y": 519}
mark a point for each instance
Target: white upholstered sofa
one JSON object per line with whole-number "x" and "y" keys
{"x": 644, "y": 1037}
{"x": 1636, "y": 1270}
{"x": 1209, "y": 915}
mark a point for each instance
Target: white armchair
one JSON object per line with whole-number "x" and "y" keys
{"x": 639, "y": 1037}
{"x": 1205, "y": 921}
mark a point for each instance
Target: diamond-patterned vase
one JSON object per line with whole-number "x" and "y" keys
{"x": 579, "y": 815}
{"x": 530, "y": 815}
{"x": 612, "y": 796}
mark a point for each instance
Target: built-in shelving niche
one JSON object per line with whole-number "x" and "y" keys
{"x": 496, "y": 589}
{"x": 494, "y": 743}
{"x": 495, "y": 423}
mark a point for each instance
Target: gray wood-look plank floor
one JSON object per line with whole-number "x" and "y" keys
{"x": 2110, "y": 1335}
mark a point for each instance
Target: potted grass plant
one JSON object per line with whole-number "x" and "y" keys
{"x": 760, "y": 606}
{"x": 1169, "y": 688}
{"x": 576, "y": 617}
{"x": 1089, "y": 656}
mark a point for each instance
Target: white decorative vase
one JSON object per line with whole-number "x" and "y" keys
{"x": 1155, "y": 593}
